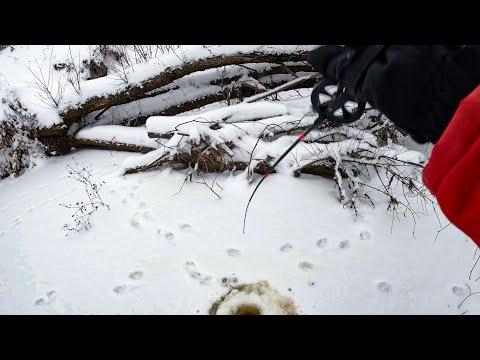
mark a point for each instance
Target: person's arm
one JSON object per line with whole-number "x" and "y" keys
{"x": 430, "y": 91}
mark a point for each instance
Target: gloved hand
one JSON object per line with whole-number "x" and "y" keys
{"x": 418, "y": 87}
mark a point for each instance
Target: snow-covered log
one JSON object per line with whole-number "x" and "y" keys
{"x": 114, "y": 137}
{"x": 166, "y": 75}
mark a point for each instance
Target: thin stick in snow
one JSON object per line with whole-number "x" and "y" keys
{"x": 280, "y": 88}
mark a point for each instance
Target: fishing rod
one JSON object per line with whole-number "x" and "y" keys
{"x": 333, "y": 110}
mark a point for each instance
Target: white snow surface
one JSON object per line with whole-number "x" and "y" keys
{"x": 230, "y": 114}
{"x": 167, "y": 246}
{"x": 15, "y": 61}
{"x": 367, "y": 265}
{"x": 14, "y": 75}
{"x": 187, "y": 53}
{"x": 119, "y": 134}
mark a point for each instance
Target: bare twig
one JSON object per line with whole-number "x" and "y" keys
{"x": 473, "y": 267}
{"x": 439, "y": 231}
{"x": 84, "y": 209}
{"x": 468, "y": 296}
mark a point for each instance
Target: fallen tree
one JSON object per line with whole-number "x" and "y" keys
{"x": 114, "y": 137}
{"x": 243, "y": 138}
{"x": 138, "y": 91}
{"x": 243, "y": 132}
{"x": 186, "y": 86}
{"x": 201, "y": 89}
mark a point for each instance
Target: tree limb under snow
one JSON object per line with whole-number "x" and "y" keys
{"x": 139, "y": 91}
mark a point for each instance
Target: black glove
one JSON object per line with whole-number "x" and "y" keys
{"x": 418, "y": 87}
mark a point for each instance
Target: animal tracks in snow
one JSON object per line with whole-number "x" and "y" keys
{"x": 135, "y": 276}
{"x": 321, "y": 243}
{"x": 305, "y": 265}
{"x": 459, "y": 291}
{"x": 324, "y": 243}
{"x": 119, "y": 289}
{"x": 185, "y": 226}
{"x": 139, "y": 219}
{"x": 365, "y": 235}
{"x": 233, "y": 252}
{"x": 192, "y": 270}
{"x": 344, "y": 244}
{"x": 19, "y": 218}
{"x": 170, "y": 236}
{"x": 384, "y": 287}
{"x": 50, "y": 297}
{"x": 286, "y": 247}
{"x": 40, "y": 302}
{"x": 229, "y": 281}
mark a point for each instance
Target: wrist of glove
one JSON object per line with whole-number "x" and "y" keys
{"x": 418, "y": 87}
{"x": 332, "y": 61}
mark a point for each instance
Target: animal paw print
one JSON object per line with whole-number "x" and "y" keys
{"x": 134, "y": 221}
{"x": 40, "y": 302}
{"x": 305, "y": 265}
{"x": 185, "y": 227}
{"x": 120, "y": 289}
{"x": 139, "y": 218}
{"x": 170, "y": 237}
{"x": 286, "y": 247}
{"x": 229, "y": 281}
{"x": 384, "y": 287}
{"x": 344, "y": 244}
{"x": 136, "y": 275}
{"x": 459, "y": 291}
{"x": 50, "y": 297}
{"x": 233, "y": 252}
{"x": 365, "y": 235}
{"x": 321, "y": 243}
{"x": 191, "y": 269}
{"x": 167, "y": 235}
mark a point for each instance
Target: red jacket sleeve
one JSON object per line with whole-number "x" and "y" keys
{"x": 453, "y": 171}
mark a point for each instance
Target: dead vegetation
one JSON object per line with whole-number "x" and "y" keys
{"x": 229, "y": 79}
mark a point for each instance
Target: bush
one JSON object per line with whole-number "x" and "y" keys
{"x": 18, "y": 146}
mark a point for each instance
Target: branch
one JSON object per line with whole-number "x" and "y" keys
{"x": 135, "y": 92}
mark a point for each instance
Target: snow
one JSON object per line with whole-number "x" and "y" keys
{"x": 14, "y": 63}
{"x": 181, "y": 91}
{"x": 119, "y": 134}
{"x": 259, "y": 299}
{"x": 261, "y": 95}
{"x": 236, "y": 127}
{"x": 157, "y": 65}
{"x": 140, "y": 161}
{"x": 360, "y": 266}
{"x": 230, "y": 114}
{"x": 170, "y": 246}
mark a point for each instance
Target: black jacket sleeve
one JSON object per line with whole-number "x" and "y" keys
{"x": 418, "y": 87}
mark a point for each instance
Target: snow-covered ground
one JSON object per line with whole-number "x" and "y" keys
{"x": 167, "y": 246}
{"x": 141, "y": 256}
